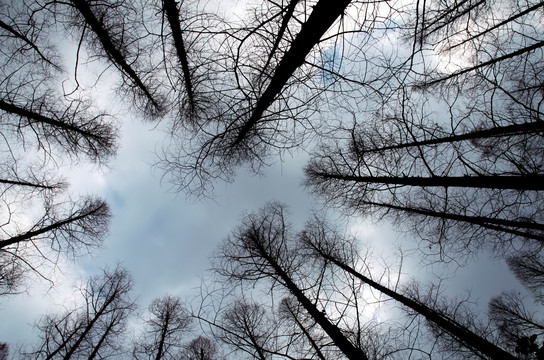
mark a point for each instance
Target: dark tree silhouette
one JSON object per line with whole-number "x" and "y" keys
{"x": 529, "y": 269}
{"x": 323, "y": 242}
{"x": 42, "y": 127}
{"x": 167, "y": 322}
{"x": 252, "y": 110}
{"x": 259, "y": 249}
{"x": 292, "y": 311}
{"x": 452, "y": 190}
{"x": 31, "y": 108}
{"x": 172, "y": 14}
{"x": 62, "y": 230}
{"x": 246, "y": 327}
{"x": 4, "y": 351}
{"x": 109, "y": 32}
{"x": 201, "y": 348}
{"x": 515, "y": 321}
{"x": 94, "y": 329}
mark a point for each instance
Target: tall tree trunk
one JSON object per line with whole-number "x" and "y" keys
{"x": 513, "y": 182}
{"x": 32, "y": 233}
{"x": 518, "y": 52}
{"x": 172, "y": 14}
{"x": 281, "y": 31}
{"x": 113, "y": 52}
{"x": 510, "y": 130}
{"x": 306, "y": 333}
{"x": 332, "y": 330}
{"x": 503, "y": 225}
{"x": 449, "y": 325}
{"x": 496, "y": 26}
{"x": 163, "y": 337}
{"x": 102, "y": 339}
{"x": 324, "y": 14}
{"x": 30, "y": 184}
{"x": 39, "y": 118}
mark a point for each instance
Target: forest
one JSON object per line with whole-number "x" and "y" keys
{"x": 426, "y": 116}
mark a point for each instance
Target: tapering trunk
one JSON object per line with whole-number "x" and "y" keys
{"x": 518, "y": 52}
{"x": 281, "y": 31}
{"x": 496, "y": 26}
{"x": 39, "y": 118}
{"x": 319, "y": 317}
{"x": 458, "y": 331}
{"x": 30, "y": 184}
{"x": 163, "y": 338}
{"x": 510, "y": 130}
{"x": 102, "y": 339}
{"x": 503, "y": 225}
{"x": 33, "y": 233}
{"x": 324, "y": 14}
{"x": 513, "y": 182}
{"x": 113, "y": 52}
{"x": 172, "y": 14}
{"x": 307, "y": 334}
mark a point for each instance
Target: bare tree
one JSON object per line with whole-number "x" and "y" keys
{"x": 516, "y": 322}
{"x": 529, "y": 269}
{"x": 200, "y": 348}
{"x": 165, "y": 327}
{"x": 94, "y": 329}
{"x": 40, "y": 127}
{"x": 439, "y": 185}
{"x": 111, "y": 32}
{"x": 253, "y": 112}
{"x": 62, "y": 230}
{"x": 246, "y": 327}
{"x": 260, "y": 249}
{"x": 33, "y": 111}
{"x": 4, "y": 351}
{"x": 323, "y": 242}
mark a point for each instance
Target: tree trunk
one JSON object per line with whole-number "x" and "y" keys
{"x": 503, "y": 225}
{"x": 521, "y": 51}
{"x": 510, "y": 130}
{"x": 113, "y": 52}
{"x": 332, "y": 330}
{"x": 30, "y": 234}
{"x": 513, "y": 182}
{"x": 324, "y": 14}
{"x": 30, "y": 184}
{"x": 39, "y": 118}
{"x": 163, "y": 337}
{"x": 452, "y": 327}
{"x": 307, "y": 334}
{"x": 172, "y": 14}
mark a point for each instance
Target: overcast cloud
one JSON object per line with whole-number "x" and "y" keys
{"x": 165, "y": 241}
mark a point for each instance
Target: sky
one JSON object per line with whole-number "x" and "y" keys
{"x": 165, "y": 240}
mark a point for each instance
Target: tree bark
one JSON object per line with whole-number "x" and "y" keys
{"x": 172, "y": 14}
{"x": 452, "y": 327}
{"x": 512, "y": 182}
{"x": 510, "y": 130}
{"x": 322, "y": 17}
{"x": 332, "y": 330}
{"x": 113, "y": 52}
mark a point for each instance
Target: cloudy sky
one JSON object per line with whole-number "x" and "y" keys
{"x": 165, "y": 240}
